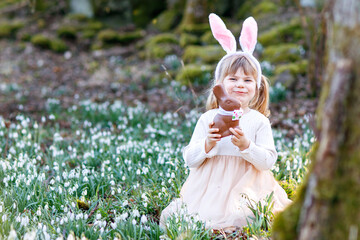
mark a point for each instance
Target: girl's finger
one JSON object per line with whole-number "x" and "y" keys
{"x": 238, "y": 131}
{"x": 214, "y": 135}
{"x": 212, "y": 130}
{"x": 236, "y": 134}
{"x": 211, "y": 124}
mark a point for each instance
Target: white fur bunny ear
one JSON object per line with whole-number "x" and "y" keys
{"x": 248, "y": 36}
{"x": 222, "y": 34}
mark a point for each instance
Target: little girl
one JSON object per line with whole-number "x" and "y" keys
{"x": 224, "y": 170}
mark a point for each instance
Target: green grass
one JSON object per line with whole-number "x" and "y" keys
{"x": 106, "y": 170}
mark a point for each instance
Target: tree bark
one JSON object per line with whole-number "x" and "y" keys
{"x": 329, "y": 205}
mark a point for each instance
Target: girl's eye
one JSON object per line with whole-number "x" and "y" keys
{"x": 248, "y": 80}
{"x": 232, "y": 79}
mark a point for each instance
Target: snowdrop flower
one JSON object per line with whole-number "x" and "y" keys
{"x": 143, "y": 219}
{"x": 113, "y": 225}
{"x": 136, "y": 213}
{"x": 12, "y": 234}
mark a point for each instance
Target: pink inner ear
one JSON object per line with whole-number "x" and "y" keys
{"x": 222, "y": 34}
{"x": 248, "y": 37}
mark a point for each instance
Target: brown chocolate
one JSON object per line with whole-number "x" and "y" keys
{"x": 228, "y": 103}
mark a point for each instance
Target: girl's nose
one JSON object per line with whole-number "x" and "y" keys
{"x": 240, "y": 83}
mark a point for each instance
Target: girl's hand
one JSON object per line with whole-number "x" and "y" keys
{"x": 212, "y": 138}
{"x": 239, "y": 139}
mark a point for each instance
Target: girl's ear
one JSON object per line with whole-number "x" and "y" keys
{"x": 248, "y": 36}
{"x": 219, "y": 91}
{"x": 222, "y": 34}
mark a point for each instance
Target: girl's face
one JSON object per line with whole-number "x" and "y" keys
{"x": 241, "y": 86}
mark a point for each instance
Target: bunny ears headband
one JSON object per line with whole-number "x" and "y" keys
{"x": 248, "y": 39}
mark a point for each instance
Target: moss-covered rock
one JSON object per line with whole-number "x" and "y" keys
{"x": 54, "y": 44}
{"x": 26, "y": 37}
{"x": 9, "y": 29}
{"x": 263, "y": 8}
{"x": 128, "y": 37}
{"x": 161, "y": 45}
{"x": 208, "y": 38}
{"x": 287, "y": 32}
{"x": 108, "y": 36}
{"x": 195, "y": 74}
{"x": 163, "y": 38}
{"x": 160, "y": 50}
{"x": 297, "y": 68}
{"x": 166, "y": 20}
{"x": 197, "y": 29}
{"x": 88, "y": 34}
{"x": 41, "y": 40}
{"x": 205, "y": 54}
{"x": 93, "y": 25}
{"x": 77, "y": 17}
{"x": 66, "y": 31}
{"x": 188, "y": 39}
{"x": 283, "y": 53}
{"x": 58, "y": 45}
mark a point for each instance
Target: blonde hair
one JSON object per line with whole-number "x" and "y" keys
{"x": 230, "y": 65}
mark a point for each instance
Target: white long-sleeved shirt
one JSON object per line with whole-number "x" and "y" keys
{"x": 256, "y": 127}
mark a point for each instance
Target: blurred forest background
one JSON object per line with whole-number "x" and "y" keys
{"x": 132, "y": 50}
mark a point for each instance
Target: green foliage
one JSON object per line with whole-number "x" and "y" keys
{"x": 110, "y": 172}
{"x": 277, "y": 93}
{"x": 204, "y": 54}
{"x": 260, "y": 223}
{"x": 194, "y": 74}
{"x": 283, "y": 53}
{"x": 289, "y": 185}
{"x": 68, "y": 32}
{"x": 9, "y": 29}
{"x": 286, "y": 32}
{"x": 185, "y": 226}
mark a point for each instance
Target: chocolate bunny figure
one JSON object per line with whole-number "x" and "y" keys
{"x": 229, "y": 111}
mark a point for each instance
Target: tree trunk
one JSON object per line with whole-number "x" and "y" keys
{"x": 195, "y": 12}
{"x": 328, "y": 207}
{"x": 313, "y": 22}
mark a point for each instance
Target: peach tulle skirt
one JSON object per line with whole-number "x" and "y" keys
{"x": 216, "y": 192}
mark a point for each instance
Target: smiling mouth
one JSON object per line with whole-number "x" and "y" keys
{"x": 240, "y": 92}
